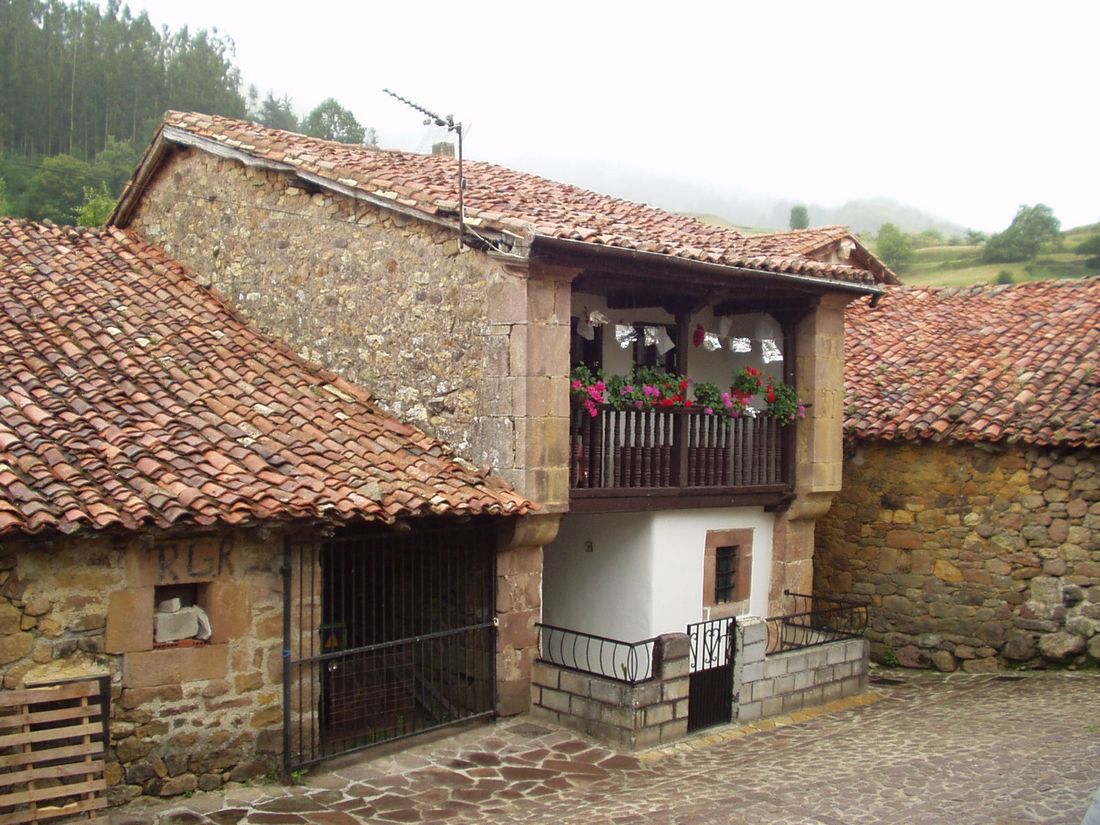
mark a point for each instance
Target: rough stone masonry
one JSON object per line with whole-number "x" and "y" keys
{"x": 971, "y": 557}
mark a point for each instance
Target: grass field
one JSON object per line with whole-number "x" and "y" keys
{"x": 962, "y": 265}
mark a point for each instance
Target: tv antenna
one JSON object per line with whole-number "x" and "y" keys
{"x": 448, "y": 122}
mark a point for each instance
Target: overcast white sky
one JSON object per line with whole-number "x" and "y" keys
{"x": 964, "y": 109}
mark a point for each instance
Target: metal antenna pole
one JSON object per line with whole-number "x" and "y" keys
{"x": 431, "y": 118}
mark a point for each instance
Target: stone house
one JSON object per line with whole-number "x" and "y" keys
{"x": 185, "y": 505}
{"x": 470, "y": 319}
{"x": 970, "y": 511}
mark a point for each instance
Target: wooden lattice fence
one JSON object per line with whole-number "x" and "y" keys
{"x": 52, "y": 750}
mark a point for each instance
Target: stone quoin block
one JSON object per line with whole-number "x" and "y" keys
{"x": 129, "y": 620}
{"x": 175, "y": 665}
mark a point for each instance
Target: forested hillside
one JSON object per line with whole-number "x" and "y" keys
{"x": 72, "y": 76}
{"x": 82, "y": 89}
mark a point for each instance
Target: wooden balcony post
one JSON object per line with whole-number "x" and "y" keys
{"x": 680, "y": 450}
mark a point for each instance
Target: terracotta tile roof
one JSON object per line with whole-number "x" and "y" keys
{"x": 504, "y": 200}
{"x": 803, "y": 241}
{"x": 984, "y": 363}
{"x": 818, "y": 242}
{"x": 130, "y": 396}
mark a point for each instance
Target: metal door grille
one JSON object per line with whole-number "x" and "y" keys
{"x": 387, "y": 634}
{"x": 710, "y": 685}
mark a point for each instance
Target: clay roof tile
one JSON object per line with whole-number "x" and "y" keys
{"x": 216, "y": 423}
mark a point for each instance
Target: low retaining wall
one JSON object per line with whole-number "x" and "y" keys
{"x": 786, "y": 682}
{"x": 655, "y": 712}
{"x": 650, "y": 713}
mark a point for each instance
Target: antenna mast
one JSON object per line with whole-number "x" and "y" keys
{"x": 430, "y": 119}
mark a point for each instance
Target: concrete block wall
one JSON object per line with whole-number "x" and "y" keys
{"x": 651, "y": 713}
{"x": 785, "y": 682}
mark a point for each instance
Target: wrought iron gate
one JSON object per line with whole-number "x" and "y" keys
{"x": 387, "y": 634}
{"x": 710, "y": 701}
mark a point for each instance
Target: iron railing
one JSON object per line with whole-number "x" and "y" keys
{"x": 629, "y": 662}
{"x": 816, "y": 621}
{"x": 673, "y": 448}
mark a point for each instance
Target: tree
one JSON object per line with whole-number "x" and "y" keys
{"x": 278, "y": 113}
{"x": 331, "y": 121}
{"x": 97, "y": 207}
{"x": 3, "y": 199}
{"x": 1090, "y": 246}
{"x": 893, "y": 246}
{"x": 800, "y": 217}
{"x": 975, "y": 238}
{"x": 56, "y": 189}
{"x": 114, "y": 165}
{"x": 929, "y": 237}
{"x": 1032, "y": 226}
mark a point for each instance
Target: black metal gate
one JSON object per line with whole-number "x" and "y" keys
{"x": 710, "y": 701}
{"x": 387, "y": 634}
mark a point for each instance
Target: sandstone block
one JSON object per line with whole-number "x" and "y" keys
{"x": 174, "y": 666}
{"x": 946, "y": 571}
{"x": 15, "y": 646}
{"x": 1061, "y": 646}
{"x": 988, "y": 665}
{"x": 944, "y": 662}
{"x": 1020, "y": 646}
{"x": 1094, "y": 647}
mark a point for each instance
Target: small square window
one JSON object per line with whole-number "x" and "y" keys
{"x": 725, "y": 573}
{"x": 179, "y": 615}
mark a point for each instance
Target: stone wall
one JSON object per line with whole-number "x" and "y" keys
{"x": 650, "y": 713}
{"x": 519, "y": 608}
{"x": 970, "y": 557}
{"x": 182, "y": 718}
{"x": 444, "y": 338}
{"x": 195, "y": 717}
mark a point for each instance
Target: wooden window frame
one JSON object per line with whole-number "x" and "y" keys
{"x": 738, "y": 604}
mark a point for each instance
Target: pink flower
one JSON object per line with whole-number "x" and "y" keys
{"x": 727, "y": 400}
{"x": 591, "y": 407}
{"x": 577, "y": 384}
{"x": 709, "y": 411}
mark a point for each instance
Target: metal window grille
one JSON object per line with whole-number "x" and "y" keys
{"x": 725, "y": 573}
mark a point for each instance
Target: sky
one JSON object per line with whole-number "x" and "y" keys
{"x": 964, "y": 109}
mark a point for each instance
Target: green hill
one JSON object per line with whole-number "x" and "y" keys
{"x": 962, "y": 265}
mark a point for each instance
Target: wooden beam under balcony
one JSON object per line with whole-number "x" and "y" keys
{"x": 771, "y": 497}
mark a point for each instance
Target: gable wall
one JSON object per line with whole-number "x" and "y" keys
{"x": 388, "y": 302}
{"x": 969, "y": 559}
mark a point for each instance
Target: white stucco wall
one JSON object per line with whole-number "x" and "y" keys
{"x": 644, "y": 574}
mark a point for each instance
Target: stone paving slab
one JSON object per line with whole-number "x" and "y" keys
{"x": 980, "y": 750}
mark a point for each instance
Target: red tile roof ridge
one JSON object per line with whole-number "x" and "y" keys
{"x": 115, "y": 413}
{"x": 993, "y": 363}
{"x": 496, "y": 198}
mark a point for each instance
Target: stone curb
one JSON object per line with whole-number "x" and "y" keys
{"x": 708, "y": 740}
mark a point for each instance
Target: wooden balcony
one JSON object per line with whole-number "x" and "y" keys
{"x": 670, "y": 458}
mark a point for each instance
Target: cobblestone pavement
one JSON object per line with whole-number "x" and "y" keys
{"x": 958, "y": 749}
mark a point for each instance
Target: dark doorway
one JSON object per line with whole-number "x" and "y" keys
{"x": 389, "y": 634}
{"x": 710, "y": 685}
